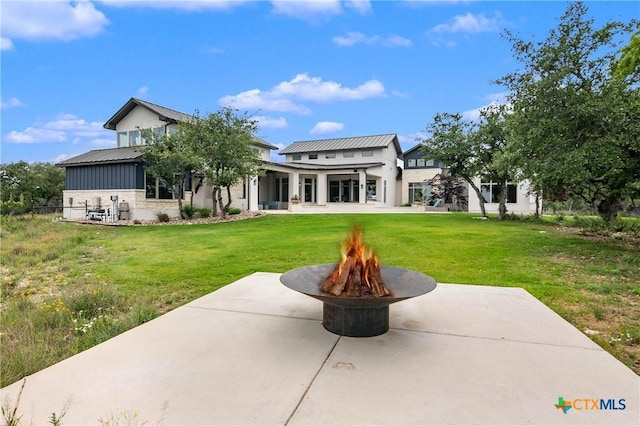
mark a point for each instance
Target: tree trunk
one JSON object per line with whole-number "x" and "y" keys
{"x": 502, "y": 204}
{"x": 483, "y": 212}
{"x": 226, "y": 206}
{"x": 609, "y": 207}
{"x": 178, "y": 190}
{"x": 214, "y": 197}
{"x": 223, "y": 213}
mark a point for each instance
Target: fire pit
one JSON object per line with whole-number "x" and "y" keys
{"x": 363, "y": 316}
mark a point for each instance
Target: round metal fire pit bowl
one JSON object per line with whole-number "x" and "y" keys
{"x": 364, "y": 316}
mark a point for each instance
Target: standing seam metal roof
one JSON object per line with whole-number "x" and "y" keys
{"x": 105, "y": 156}
{"x": 341, "y": 144}
{"x": 165, "y": 114}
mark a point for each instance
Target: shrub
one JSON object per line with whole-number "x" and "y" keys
{"x": 234, "y": 210}
{"x": 162, "y": 217}
{"x": 205, "y": 212}
{"x": 189, "y": 210}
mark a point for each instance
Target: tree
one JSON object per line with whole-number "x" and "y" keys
{"x": 169, "y": 157}
{"x": 574, "y": 129}
{"x": 629, "y": 63}
{"x": 449, "y": 188}
{"x": 222, "y": 143}
{"x": 31, "y": 187}
{"x": 472, "y": 148}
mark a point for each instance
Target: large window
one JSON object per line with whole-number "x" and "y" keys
{"x": 347, "y": 154}
{"x": 367, "y": 153}
{"x": 134, "y": 138}
{"x": 491, "y": 192}
{"x": 123, "y": 139}
{"x": 296, "y": 157}
{"x": 419, "y": 192}
{"x": 158, "y": 188}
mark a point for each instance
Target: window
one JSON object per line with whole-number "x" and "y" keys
{"x": 347, "y": 154}
{"x": 419, "y": 192}
{"x": 421, "y": 162}
{"x": 123, "y": 139}
{"x": 134, "y": 138}
{"x": 157, "y": 188}
{"x": 313, "y": 156}
{"x": 330, "y": 155}
{"x": 296, "y": 157}
{"x": 411, "y": 163}
{"x": 371, "y": 190}
{"x": 285, "y": 189}
{"x": 367, "y": 153}
{"x": 491, "y": 192}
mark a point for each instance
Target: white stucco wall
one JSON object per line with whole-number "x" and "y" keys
{"x": 525, "y": 204}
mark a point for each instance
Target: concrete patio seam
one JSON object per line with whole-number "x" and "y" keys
{"x": 251, "y": 313}
{"x": 504, "y": 339}
{"x": 312, "y": 381}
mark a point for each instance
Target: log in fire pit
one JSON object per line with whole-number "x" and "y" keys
{"x": 357, "y": 291}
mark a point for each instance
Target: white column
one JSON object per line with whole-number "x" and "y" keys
{"x": 362, "y": 186}
{"x": 294, "y": 184}
{"x": 253, "y": 193}
{"x": 321, "y": 182}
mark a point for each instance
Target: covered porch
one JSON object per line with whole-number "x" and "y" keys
{"x": 285, "y": 187}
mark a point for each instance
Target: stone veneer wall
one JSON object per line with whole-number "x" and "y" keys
{"x": 140, "y": 207}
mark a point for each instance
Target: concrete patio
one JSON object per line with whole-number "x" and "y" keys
{"x": 255, "y": 352}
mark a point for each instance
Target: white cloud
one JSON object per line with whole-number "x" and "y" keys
{"x": 61, "y": 129}
{"x": 361, "y": 6}
{"x": 59, "y": 20}
{"x": 143, "y": 91}
{"x": 271, "y": 122}
{"x": 355, "y": 37}
{"x": 5, "y": 44}
{"x": 470, "y": 23}
{"x": 212, "y": 49}
{"x": 255, "y": 99}
{"x": 324, "y": 127}
{"x": 11, "y": 103}
{"x": 188, "y": 5}
{"x": 307, "y": 10}
{"x": 36, "y": 135}
{"x": 284, "y": 96}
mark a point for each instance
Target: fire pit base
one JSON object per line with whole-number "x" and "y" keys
{"x": 355, "y": 322}
{"x": 357, "y": 316}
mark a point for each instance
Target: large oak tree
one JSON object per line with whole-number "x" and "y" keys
{"x": 575, "y": 130}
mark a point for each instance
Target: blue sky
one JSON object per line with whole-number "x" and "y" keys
{"x": 306, "y": 70}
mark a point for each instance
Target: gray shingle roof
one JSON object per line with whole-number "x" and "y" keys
{"x": 342, "y": 144}
{"x": 105, "y": 156}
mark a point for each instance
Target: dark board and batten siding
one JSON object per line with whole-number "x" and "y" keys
{"x": 107, "y": 176}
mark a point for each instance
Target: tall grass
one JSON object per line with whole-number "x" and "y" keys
{"x": 67, "y": 287}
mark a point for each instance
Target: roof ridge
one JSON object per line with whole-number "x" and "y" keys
{"x": 161, "y": 106}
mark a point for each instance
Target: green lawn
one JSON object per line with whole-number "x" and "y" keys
{"x": 592, "y": 282}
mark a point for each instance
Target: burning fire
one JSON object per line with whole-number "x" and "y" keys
{"x": 358, "y": 273}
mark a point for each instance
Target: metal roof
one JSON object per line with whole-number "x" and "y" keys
{"x": 307, "y": 166}
{"x": 343, "y": 144}
{"x": 106, "y": 156}
{"x": 164, "y": 114}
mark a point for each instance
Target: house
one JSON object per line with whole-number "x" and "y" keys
{"x": 519, "y": 199}
{"x": 108, "y": 184}
{"x": 419, "y": 169}
{"x": 329, "y": 173}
